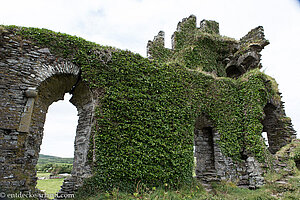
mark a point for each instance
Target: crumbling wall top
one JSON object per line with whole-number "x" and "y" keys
{"x": 203, "y": 48}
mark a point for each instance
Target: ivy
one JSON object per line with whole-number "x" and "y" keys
{"x": 145, "y": 120}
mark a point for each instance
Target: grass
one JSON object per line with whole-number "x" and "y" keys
{"x": 220, "y": 191}
{"x": 230, "y": 191}
{"x": 43, "y": 174}
{"x": 50, "y": 186}
{"x": 272, "y": 190}
{"x": 187, "y": 193}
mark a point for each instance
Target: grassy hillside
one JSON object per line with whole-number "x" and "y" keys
{"x": 52, "y": 165}
{"x": 46, "y": 159}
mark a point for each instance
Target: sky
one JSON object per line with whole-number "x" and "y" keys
{"x": 129, "y": 24}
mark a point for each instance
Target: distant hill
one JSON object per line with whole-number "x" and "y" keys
{"x": 45, "y": 159}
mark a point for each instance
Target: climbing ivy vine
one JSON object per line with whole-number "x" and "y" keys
{"x": 146, "y": 115}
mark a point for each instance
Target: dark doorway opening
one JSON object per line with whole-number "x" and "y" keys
{"x": 204, "y": 150}
{"x": 270, "y": 127}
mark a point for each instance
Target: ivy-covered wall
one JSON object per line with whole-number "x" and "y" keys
{"x": 147, "y": 108}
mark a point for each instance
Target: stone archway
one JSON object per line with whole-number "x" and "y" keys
{"x": 269, "y": 126}
{"x": 51, "y": 90}
{"x": 278, "y": 127}
{"x": 34, "y": 79}
{"x": 31, "y": 79}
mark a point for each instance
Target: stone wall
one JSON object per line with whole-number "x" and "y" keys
{"x": 238, "y": 57}
{"x": 279, "y": 128}
{"x": 31, "y": 79}
{"x": 246, "y": 55}
{"x": 212, "y": 165}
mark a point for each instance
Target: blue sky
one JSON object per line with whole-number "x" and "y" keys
{"x": 129, "y": 24}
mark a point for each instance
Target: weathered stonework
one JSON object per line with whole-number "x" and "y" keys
{"x": 32, "y": 78}
{"x": 212, "y": 165}
{"x": 279, "y": 128}
{"x": 247, "y": 53}
{"x": 239, "y": 56}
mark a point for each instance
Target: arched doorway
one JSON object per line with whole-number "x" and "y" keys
{"x": 204, "y": 145}
{"x": 52, "y": 90}
{"x": 56, "y": 155}
{"x": 61, "y": 122}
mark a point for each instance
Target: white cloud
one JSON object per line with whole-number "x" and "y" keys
{"x": 60, "y": 129}
{"x": 129, "y": 24}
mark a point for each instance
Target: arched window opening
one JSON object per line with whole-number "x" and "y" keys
{"x": 57, "y": 150}
{"x": 233, "y": 71}
{"x": 270, "y": 128}
{"x": 278, "y": 127}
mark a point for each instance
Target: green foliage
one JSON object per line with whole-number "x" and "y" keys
{"x": 146, "y": 116}
{"x": 193, "y": 191}
{"x": 211, "y": 27}
{"x": 55, "y": 168}
{"x": 53, "y": 164}
{"x": 195, "y": 49}
{"x": 44, "y": 167}
{"x": 295, "y": 154}
{"x": 228, "y": 190}
{"x": 45, "y": 159}
{"x": 61, "y": 169}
